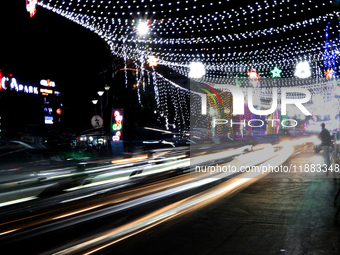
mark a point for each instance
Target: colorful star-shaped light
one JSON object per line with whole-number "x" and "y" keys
{"x": 152, "y": 60}
{"x": 329, "y": 73}
{"x": 276, "y": 72}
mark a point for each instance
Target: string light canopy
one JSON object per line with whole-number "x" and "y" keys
{"x": 227, "y": 36}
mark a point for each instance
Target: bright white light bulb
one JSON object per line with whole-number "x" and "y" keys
{"x": 197, "y": 70}
{"x": 143, "y": 28}
{"x": 302, "y": 70}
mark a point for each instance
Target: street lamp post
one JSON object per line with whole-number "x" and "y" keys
{"x": 95, "y": 101}
{"x": 100, "y": 93}
{"x": 107, "y": 87}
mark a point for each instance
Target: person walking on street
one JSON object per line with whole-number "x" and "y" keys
{"x": 326, "y": 144}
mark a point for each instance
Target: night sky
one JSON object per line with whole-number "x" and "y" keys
{"x": 49, "y": 46}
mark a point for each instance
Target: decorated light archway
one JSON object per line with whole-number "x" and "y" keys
{"x": 228, "y": 37}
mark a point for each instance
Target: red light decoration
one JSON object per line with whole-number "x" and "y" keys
{"x": 59, "y": 111}
{"x": 31, "y": 7}
{"x": 254, "y": 77}
{"x": 0, "y": 81}
{"x": 253, "y": 74}
{"x": 329, "y": 74}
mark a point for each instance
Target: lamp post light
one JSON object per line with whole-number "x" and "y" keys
{"x": 95, "y": 101}
{"x": 107, "y": 87}
{"x": 100, "y": 93}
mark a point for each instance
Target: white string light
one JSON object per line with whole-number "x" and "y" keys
{"x": 257, "y": 34}
{"x": 228, "y": 37}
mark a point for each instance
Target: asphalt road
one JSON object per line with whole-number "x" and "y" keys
{"x": 283, "y": 213}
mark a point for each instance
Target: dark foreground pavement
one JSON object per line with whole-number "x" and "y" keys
{"x": 282, "y": 214}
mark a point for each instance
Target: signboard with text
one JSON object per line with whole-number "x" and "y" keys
{"x": 117, "y": 125}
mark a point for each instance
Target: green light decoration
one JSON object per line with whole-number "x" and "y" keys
{"x": 276, "y": 72}
{"x": 116, "y": 127}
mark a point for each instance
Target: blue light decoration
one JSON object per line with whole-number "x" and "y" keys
{"x": 329, "y": 57}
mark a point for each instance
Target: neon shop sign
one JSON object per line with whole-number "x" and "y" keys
{"x": 12, "y": 84}
{"x": 117, "y": 126}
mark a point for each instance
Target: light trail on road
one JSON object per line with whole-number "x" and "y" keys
{"x": 224, "y": 184}
{"x": 186, "y": 205}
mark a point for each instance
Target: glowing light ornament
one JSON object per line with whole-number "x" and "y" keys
{"x": 143, "y": 28}
{"x": 197, "y": 70}
{"x": 31, "y": 7}
{"x": 276, "y": 72}
{"x": 153, "y": 61}
{"x": 302, "y": 70}
{"x": 254, "y": 77}
{"x": 329, "y": 74}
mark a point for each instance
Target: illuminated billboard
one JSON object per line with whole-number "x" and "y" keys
{"x": 117, "y": 125}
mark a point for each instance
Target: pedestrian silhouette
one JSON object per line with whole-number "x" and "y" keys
{"x": 326, "y": 143}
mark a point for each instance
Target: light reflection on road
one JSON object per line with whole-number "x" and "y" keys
{"x": 265, "y": 154}
{"x": 267, "y": 157}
